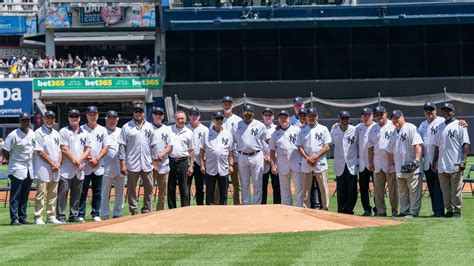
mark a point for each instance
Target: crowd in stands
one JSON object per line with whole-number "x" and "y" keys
{"x": 76, "y": 67}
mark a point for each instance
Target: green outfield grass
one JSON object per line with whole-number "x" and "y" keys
{"x": 417, "y": 241}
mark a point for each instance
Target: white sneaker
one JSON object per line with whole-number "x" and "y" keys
{"x": 97, "y": 219}
{"x": 81, "y": 219}
{"x": 409, "y": 216}
{"x": 39, "y": 221}
{"x": 53, "y": 220}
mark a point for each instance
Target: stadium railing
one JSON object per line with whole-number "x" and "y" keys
{"x": 111, "y": 71}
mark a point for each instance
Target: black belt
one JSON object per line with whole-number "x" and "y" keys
{"x": 249, "y": 154}
{"x": 178, "y": 159}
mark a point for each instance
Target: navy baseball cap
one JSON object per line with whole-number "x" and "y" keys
{"x": 158, "y": 110}
{"x": 111, "y": 113}
{"x": 49, "y": 114}
{"x": 25, "y": 116}
{"x": 380, "y": 109}
{"x": 92, "y": 109}
{"x": 396, "y": 114}
{"x": 302, "y": 111}
{"x": 344, "y": 114}
{"x": 227, "y": 99}
{"x": 311, "y": 111}
{"x": 73, "y": 112}
{"x": 448, "y": 106}
{"x": 194, "y": 111}
{"x": 284, "y": 112}
{"x": 217, "y": 114}
{"x": 430, "y": 106}
{"x": 366, "y": 111}
{"x": 298, "y": 100}
{"x": 267, "y": 110}
{"x": 248, "y": 108}
{"x": 139, "y": 106}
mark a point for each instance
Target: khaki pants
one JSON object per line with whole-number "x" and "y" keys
{"x": 410, "y": 193}
{"x": 451, "y": 186}
{"x": 50, "y": 191}
{"x": 132, "y": 180}
{"x": 322, "y": 179}
{"x": 380, "y": 180}
{"x": 162, "y": 183}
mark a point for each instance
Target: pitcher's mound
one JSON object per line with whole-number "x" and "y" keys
{"x": 254, "y": 219}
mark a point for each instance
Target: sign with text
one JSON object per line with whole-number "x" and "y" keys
{"x": 152, "y": 83}
{"x": 20, "y": 52}
{"x": 16, "y": 97}
{"x": 12, "y": 25}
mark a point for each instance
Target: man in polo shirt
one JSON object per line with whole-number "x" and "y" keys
{"x": 216, "y": 158}
{"x": 313, "y": 143}
{"x": 181, "y": 161}
{"x": 47, "y": 162}
{"x": 75, "y": 146}
{"x": 137, "y": 152}
{"x": 450, "y": 155}
{"x": 94, "y": 169}
{"x": 18, "y": 154}
{"x": 199, "y": 131}
{"x": 250, "y": 135}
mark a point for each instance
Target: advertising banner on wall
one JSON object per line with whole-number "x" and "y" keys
{"x": 152, "y": 83}
{"x": 16, "y": 97}
{"x": 12, "y": 25}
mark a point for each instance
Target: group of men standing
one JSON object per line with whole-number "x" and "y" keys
{"x": 390, "y": 152}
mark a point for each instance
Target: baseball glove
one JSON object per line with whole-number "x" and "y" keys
{"x": 410, "y": 167}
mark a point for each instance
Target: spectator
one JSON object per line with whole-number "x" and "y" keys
{"x": 103, "y": 64}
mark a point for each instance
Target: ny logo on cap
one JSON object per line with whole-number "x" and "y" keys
{"x": 434, "y": 130}
{"x": 83, "y": 141}
{"x": 452, "y": 133}
{"x": 56, "y": 141}
{"x": 293, "y": 138}
{"x": 254, "y": 131}
{"x": 350, "y": 140}
{"x": 387, "y": 134}
{"x": 164, "y": 137}
{"x": 225, "y": 141}
{"x": 403, "y": 137}
{"x": 318, "y": 136}
{"x": 100, "y": 138}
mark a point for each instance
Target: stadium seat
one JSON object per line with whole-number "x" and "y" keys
{"x": 469, "y": 179}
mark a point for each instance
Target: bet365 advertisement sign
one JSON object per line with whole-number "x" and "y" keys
{"x": 16, "y": 97}
{"x": 96, "y": 83}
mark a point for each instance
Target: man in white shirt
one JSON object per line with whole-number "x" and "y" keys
{"x": 450, "y": 155}
{"x": 75, "y": 147}
{"x": 18, "y": 154}
{"x": 313, "y": 143}
{"x": 94, "y": 169}
{"x": 346, "y": 163}
{"x": 365, "y": 174}
{"x": 199, "y": 131}
{"x": 161, "y": 167}
{"x": 268, "y": 118}
{"x": 404, "y": 149}
{"x": 112, "y": 173}
{"x": 286, "y": 160}
{"x": 379, "y": 137}
{"x": 250, "y": 135}
{"x": 46, "y": 166}
{"x": 137, "y": 152}
{"x": 181, "y": 161}
{"x": 216, "y": 156}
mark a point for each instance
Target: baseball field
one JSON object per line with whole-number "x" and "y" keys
{"x": 423, "y": 240}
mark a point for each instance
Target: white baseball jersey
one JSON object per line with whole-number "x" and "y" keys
{"x": 182, "y": 142}
{"x": 251, "y": 137}
{"x": 230, "y": 124}
{"x": 20, "y": 146}
{"x": 266, "y": 149}
{"x": 76, "y": 142}
{"x": 198, "y": 134}
{"x": 111, "y": 159}
{"x": 283, "y": 142}
{"x": 312, "y": 139}
{"x": 363, "y": 141}
{"x": 346, "y": 150}
{"x": 163, "y": 137}
{"x": 140, "y": 144}
{"x": 99, "y": 140}
{"x": 217, "y": 147}
{"x": 428, "y": 132}
{"x": 450, "y": 140}
{"x": 294, "y": 120}
{"x": 47, "y": 140}
{"x": 401, "y": 145}
{"x": 379, "y": 138}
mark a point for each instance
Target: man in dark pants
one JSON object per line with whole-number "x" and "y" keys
{"x": 362, "y": 134}
{"x": 181, "y": 161}
{"x": 268, "y": 118}
{"x": 199, "y": 131}
{"x": 18, "y": 154}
